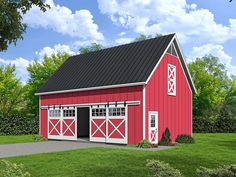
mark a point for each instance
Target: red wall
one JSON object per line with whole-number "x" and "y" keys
{"x": 97, "y": 96}
{"x": 174, "y": 112}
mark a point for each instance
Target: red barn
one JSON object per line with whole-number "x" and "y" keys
{"x": 121, "y": 94}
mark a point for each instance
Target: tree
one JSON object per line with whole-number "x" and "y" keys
{"x": 226, "y": 118}
{"x": 11, "y": 25}
{"x": 39, "y": 73}
{"x": 212, "y": 83}
{"x": 230, "y": 99}
{"x": 142, "y": 37}
{"x": 92, "y": 48}
{"x": 11, "y": 91}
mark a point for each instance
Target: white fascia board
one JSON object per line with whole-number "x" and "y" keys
{"x": 181, "y": 52}
{"x": 92, "y": 88}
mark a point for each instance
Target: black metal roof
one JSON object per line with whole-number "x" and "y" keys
{"x": 124, "y": 64}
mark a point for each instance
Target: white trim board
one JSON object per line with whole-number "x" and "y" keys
{"x": 144, "y": 112}
{"x": 92, "y": 88}
{"x": 137, "y": 102}
{"x": 181, "y": 52}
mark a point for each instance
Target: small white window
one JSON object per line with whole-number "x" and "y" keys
{"x": 54, "y": 113}
{"x": 172, "y": 50}
{"x": 171, "y": 80}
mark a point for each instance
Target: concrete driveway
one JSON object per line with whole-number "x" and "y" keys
{"x": 12, "y": 150}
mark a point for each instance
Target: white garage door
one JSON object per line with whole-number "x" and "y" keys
{"x": 109, "y": 124}
{"x": 62, "y": 123}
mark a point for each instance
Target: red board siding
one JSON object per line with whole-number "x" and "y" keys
{"x": 174, "y": 112}
{"x": 98, "y": 96}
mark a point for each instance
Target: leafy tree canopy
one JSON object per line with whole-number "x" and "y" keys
{"x": 212, "y": 83}
{"x": 11, "y": 25}
{"x": 92, "y": 48}
{"x": 39, "y": 73}
{"x": 142, "y": 37}
{"x": 11, "y": 91}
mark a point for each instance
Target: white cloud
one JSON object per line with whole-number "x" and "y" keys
{"x": 62, "y": 20}
{"x": 59, "y": 48}
{"x": 215, "y": 50}
{"x": 158, "y": 16}
{"x": 21, "y": 65}
{"x": 122, "y": 33}
{"x": 123, "y": 40}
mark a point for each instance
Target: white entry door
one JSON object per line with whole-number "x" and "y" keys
{"x": 153, "y": 127}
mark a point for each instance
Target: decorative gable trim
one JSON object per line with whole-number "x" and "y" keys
{"x": 171, "y": 80}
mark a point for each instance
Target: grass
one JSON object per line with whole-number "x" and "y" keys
{"x": 210, "y": 150}
{"x": 16, "y": 139}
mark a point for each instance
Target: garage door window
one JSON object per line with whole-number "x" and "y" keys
{"x": 69, "y": 113}
{"x": 116, "y": 111}
{"x": 99, "y": 112}
{"x": 54, "y": 113}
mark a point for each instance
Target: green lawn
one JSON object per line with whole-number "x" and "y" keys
{"x": 210, "y": 150}
{"x": 16, "y": 139}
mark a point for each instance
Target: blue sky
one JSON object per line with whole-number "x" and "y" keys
{"x": 203, "y": 27}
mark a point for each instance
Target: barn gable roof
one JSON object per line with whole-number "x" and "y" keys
{"x": 124, "y": 65}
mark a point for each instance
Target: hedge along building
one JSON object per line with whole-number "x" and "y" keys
{"x": 121, "y": 94}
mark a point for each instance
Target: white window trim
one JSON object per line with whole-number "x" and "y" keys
{"x": 174, "y": 81}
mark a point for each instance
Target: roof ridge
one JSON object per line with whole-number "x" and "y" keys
{"x": 133, "y": 42}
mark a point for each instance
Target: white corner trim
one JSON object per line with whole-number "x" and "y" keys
{"x": 144, "y": 112}
{"x": 92, "y": 88}
{"x": 39, "y": 116}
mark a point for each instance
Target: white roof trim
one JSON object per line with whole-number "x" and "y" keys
{"x": 160, "y": 60}
{"x": 181, "y": 52}
{"x": 174, "y": 38}
{"x": 92, "y": 88}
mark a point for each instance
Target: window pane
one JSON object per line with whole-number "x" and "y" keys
{"x": 153, "y": 121}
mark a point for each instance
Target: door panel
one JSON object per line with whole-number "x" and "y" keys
{"x": 116, "y": 123}
{"x": 98, "y": 124}
{"x": 62, "y": 123}
{"x": 109, "y": 124}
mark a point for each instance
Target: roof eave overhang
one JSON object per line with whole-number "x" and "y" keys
{"x": 91, "y": 88}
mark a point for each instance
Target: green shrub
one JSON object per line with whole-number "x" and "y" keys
{"x": 18, "y": 125}
{"x": 203, "y": 124}
{"x": 9, "y": 169}
{"x": 144, "y": 144}
{"x": 161, "y": 169}
{"x": 185, "y": 139}
{"x": 166, "y": 138}
{"x": 222, "y": 171}
{"x": 222, "y": 123}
